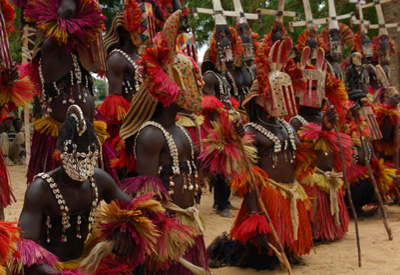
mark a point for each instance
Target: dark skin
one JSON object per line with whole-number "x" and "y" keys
{"x": 242, "y": 78}
{"x": 334, "y": 68}
{"x": 7, "y": 124}
{"x": 40, "y": 200}
{"x": 388, "y": 129}
{"x": 57, "y": 62}
{"x": 211, "y": 84}
{"x": 152, "y": 151}
{"x": 119, "y": 69}
{"x": 17, "y": 123}
{"x": 325, "y": 160}
{"x": 356, "y": 77}
{"x": 211, "y": 87}
{"x": 284, "y": 170}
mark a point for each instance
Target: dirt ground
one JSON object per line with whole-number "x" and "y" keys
{"x": 379, "y": 255}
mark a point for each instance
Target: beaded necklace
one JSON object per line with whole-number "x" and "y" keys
{"x": 173, "y": 149}
{"x": 251, "y": 73}
{"x": 269, "y": 124}
{"x": 136, "y": 77}
{"x": 224, "y": 90}
{"x": 300, "y": 118}
{"x": 277, "y": 142}
{"x": 75, "y": 77}
{"x": 65, "y": 210}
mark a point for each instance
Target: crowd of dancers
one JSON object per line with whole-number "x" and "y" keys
{"x": 305, "y": 136}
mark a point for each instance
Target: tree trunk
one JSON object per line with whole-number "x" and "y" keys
{"x": 391, "y": 13}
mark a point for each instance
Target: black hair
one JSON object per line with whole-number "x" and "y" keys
{"x": 69, "y": 131}
{"x": 15, "y": 122}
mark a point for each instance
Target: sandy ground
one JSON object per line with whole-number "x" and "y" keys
{"x": 379, "y": 256}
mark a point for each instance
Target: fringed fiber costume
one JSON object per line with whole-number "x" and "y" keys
{"x": 384, "y": 147}
{"x": 9, "y": 236}
{"x": 76, "y": 35}
{"x": 123, "y": 74}
{"x": 159, "y": 90}
{"x": 19, "y": 95}
{"x": 141, "y": 219}
{"x": 328, "y": 214}
{"x": 286, "y": 202}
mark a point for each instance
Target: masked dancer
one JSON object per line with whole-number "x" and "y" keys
{"x": 329, "y": 215}
{"x": 164, "y": 151}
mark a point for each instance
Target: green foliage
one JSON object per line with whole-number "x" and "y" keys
{"x": 205, "y": 25}
{"x": 15, "y": 38}
{"x": 110, "y": 8}
{"x": 101, "y": 90}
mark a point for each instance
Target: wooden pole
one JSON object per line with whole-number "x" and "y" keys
{"x": 25, "y": 42}
{"x": 346, "y": 181}
{"x": 373, "y": 181}
{"x": 262, "y": 207}
{"x": 397, "y": 183}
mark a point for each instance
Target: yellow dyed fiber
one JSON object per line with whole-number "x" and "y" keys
{"x": 323, "y": 145}
{"x": 186, "y": 220}
{"x": 321, "y": 181}
{"x": 101, "y": 130}
{"x": 48, "y": 126}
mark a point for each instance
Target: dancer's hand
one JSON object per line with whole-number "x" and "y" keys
{"x": 329, "y": 119}
{"x": 9, "y": 77}
{"x": 239, "y": 128}
{"x": 122, "y": 245}
{"x": 354, "y": 112}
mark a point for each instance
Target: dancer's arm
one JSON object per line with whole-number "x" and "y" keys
{"x": 115, "y": 73}
{"x": 148, "y": 149}
{"x": 108, "y": 189}
{"x": 36, "y": 199}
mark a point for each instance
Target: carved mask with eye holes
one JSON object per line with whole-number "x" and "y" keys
{"x": 315, "y": 92}
{"x": 366, "y": 46}
{"x": 283, "y": 101}
{"x": 223, "y": 37}
{"x": 335, "y": 44}
{"x": 247, "y": 43}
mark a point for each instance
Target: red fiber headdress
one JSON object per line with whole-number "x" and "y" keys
{"x": 80, "y": 31}
{"x": 132, "y": 16}
{"x": 272, "y": 63}
{"x": 236, "y": 44}
{"x": 302, "y": 41}
{"x": 346, "y": 36}
{"x": 8, "y": 14}
{"x": 336, "y": 93}
{"x": 168, "y": 76}
{"x": 357, "y": 42}
{"x": 377, "y": 48}
{"x": 268, "y": 37}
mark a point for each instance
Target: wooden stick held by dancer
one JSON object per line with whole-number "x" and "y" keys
{"x": 374, "y": 184}
{"x": 280, "y": 250}
{"x": 353, "y": 210}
